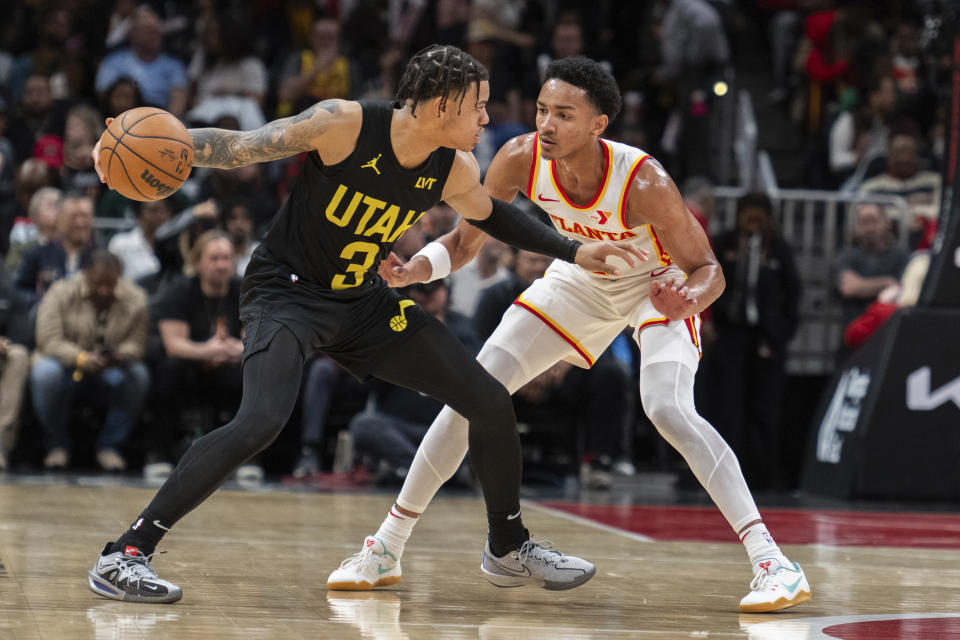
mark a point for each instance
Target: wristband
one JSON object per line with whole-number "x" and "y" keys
{"x": 439, "y": 259}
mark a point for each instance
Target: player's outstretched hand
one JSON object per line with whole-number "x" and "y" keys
{"x": 397, "y": 273}
{"x": 593, "y": 256}
{"x": 672, "y": 298}
{"x": 96, "y": 158}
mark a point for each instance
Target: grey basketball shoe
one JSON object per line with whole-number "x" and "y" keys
{"x": 127, "y": 575}
{"x": 536, "y": 563}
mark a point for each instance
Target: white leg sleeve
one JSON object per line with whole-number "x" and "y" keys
{"x": 666, "y": 390}
{"x": 445, "y": 443}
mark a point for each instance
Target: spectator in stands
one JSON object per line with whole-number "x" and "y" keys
{"x": 507, "y": 118}
{"x": 83, "y": 129}
{"x": 50, "y": 56}
{"x": 31, "y": 176}
{"x": 14, "y": 366}
{"x": 162, "y": 78}
{"x": 91, "y": 336}
{"x": 439, "y": 220}
{"x": 327, "y": 388}
{"x": 37, "y": 116}
{"x": 199, "y": 320}
{"x": 904, "y": 294}
{"x": 39, "y": 227}
{"x": 68, "y": 254}
{"x": 755, "y": 318}
{"x": 318, "y": 73}
{"x": 596, "y": 398}
{"x": 565, "y": 42}
{"x": 391, "y": 429}
{"x": 135, "y": 248}
{"x": 485, "y": 270}
{"x": 249, "y": 183}
{"x": 860, "y": 134}
{"x": 122, "y": 95}
{"x": 871, "y": 264}
{"x": 694, "y": 50}
{"x": 698, "y": 196}
{"x": 226, "y": 77}
{"x": 921, "y": 189}
{"x": 237, "y": 221}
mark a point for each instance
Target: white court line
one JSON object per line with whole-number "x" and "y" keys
{"x": 637, "y": 537}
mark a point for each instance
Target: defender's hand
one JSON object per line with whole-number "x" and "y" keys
{"x": 673, "y": 299}
{"x": 399, "y": 274}
{"x": 593, "y": 256}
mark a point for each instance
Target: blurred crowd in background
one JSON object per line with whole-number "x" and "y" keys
{"x": 120, "y": 325}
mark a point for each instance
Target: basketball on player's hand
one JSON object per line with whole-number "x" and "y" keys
{"x": 146, "y": 154}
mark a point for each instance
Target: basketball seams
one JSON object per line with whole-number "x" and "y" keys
{"x": 150, "y": 162}
{"x": 129, "y": 179}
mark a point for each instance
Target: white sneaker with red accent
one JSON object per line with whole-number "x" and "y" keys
{"x": 775, "y": 586}
{"x": 372, "y": 567}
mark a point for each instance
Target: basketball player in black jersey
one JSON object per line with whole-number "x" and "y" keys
{"x": 371, "y": 171}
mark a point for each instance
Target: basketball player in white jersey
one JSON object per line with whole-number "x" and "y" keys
{"x": 593, "y": 189}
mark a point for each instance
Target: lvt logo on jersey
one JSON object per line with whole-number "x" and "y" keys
{"x": 425, "y": 183}
{"x": 376, "y": 217}
{"x": 920, "y": 397}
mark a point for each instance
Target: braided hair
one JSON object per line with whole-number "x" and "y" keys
{"x": 442, "y": 71}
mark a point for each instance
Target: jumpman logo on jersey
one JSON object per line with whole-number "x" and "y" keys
{"x": 372, "y": 164}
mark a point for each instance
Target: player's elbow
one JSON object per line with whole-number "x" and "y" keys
{"x": 719, "y": 279}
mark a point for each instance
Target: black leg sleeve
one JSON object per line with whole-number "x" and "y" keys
{"x": 270, "y": 386}
{"x": 435, "y": 363}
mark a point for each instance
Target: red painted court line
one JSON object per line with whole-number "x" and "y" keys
{"x": 788, "y": 526}
{"x": 926, "y": 628}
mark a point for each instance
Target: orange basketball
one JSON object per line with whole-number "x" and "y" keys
{"x": 146, "y": 154}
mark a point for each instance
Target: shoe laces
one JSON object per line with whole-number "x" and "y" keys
{"x": 547, "y": 555}
{"x": 136, "y": 566}
{"x": 361, "y": 557}
{"x": 760, "y": 580}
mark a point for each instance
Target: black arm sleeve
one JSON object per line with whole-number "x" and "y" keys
{"x": 509, "y": 224}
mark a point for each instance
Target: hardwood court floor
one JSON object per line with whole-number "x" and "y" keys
{"x": 254, "y": 565}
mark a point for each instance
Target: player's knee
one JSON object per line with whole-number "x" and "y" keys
{"x": 493, "y": 405}
{"x": 259, "y": 428}
{"x": 667, "y": 416}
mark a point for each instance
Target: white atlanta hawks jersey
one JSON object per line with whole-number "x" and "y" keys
{"x": 604, "y": 217}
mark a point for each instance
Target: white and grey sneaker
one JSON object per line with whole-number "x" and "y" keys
{"x": 536, "y": 563}
{"x": 127, "y": 575}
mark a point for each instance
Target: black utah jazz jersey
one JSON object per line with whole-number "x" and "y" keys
{"x": 341, "y": 220}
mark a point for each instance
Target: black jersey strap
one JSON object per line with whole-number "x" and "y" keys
{"x": 510, "y": 224}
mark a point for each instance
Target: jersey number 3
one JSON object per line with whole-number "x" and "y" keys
{"x": 369, "y": 252}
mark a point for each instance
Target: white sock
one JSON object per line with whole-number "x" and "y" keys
{"x": 760, "y": 544}
{"x": 395, "y": 531}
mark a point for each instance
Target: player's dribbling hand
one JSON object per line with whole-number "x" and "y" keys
{"x": 96, "y": 158}
{"x": 593, "y": 256}
{"x": 672, "y": 298}
{"x": 398, "y": 274}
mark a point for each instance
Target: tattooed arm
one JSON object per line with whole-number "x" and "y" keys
{"x": 320, "y": 127}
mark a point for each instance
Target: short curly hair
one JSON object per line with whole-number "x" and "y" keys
{"x": 592, "y": 77}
